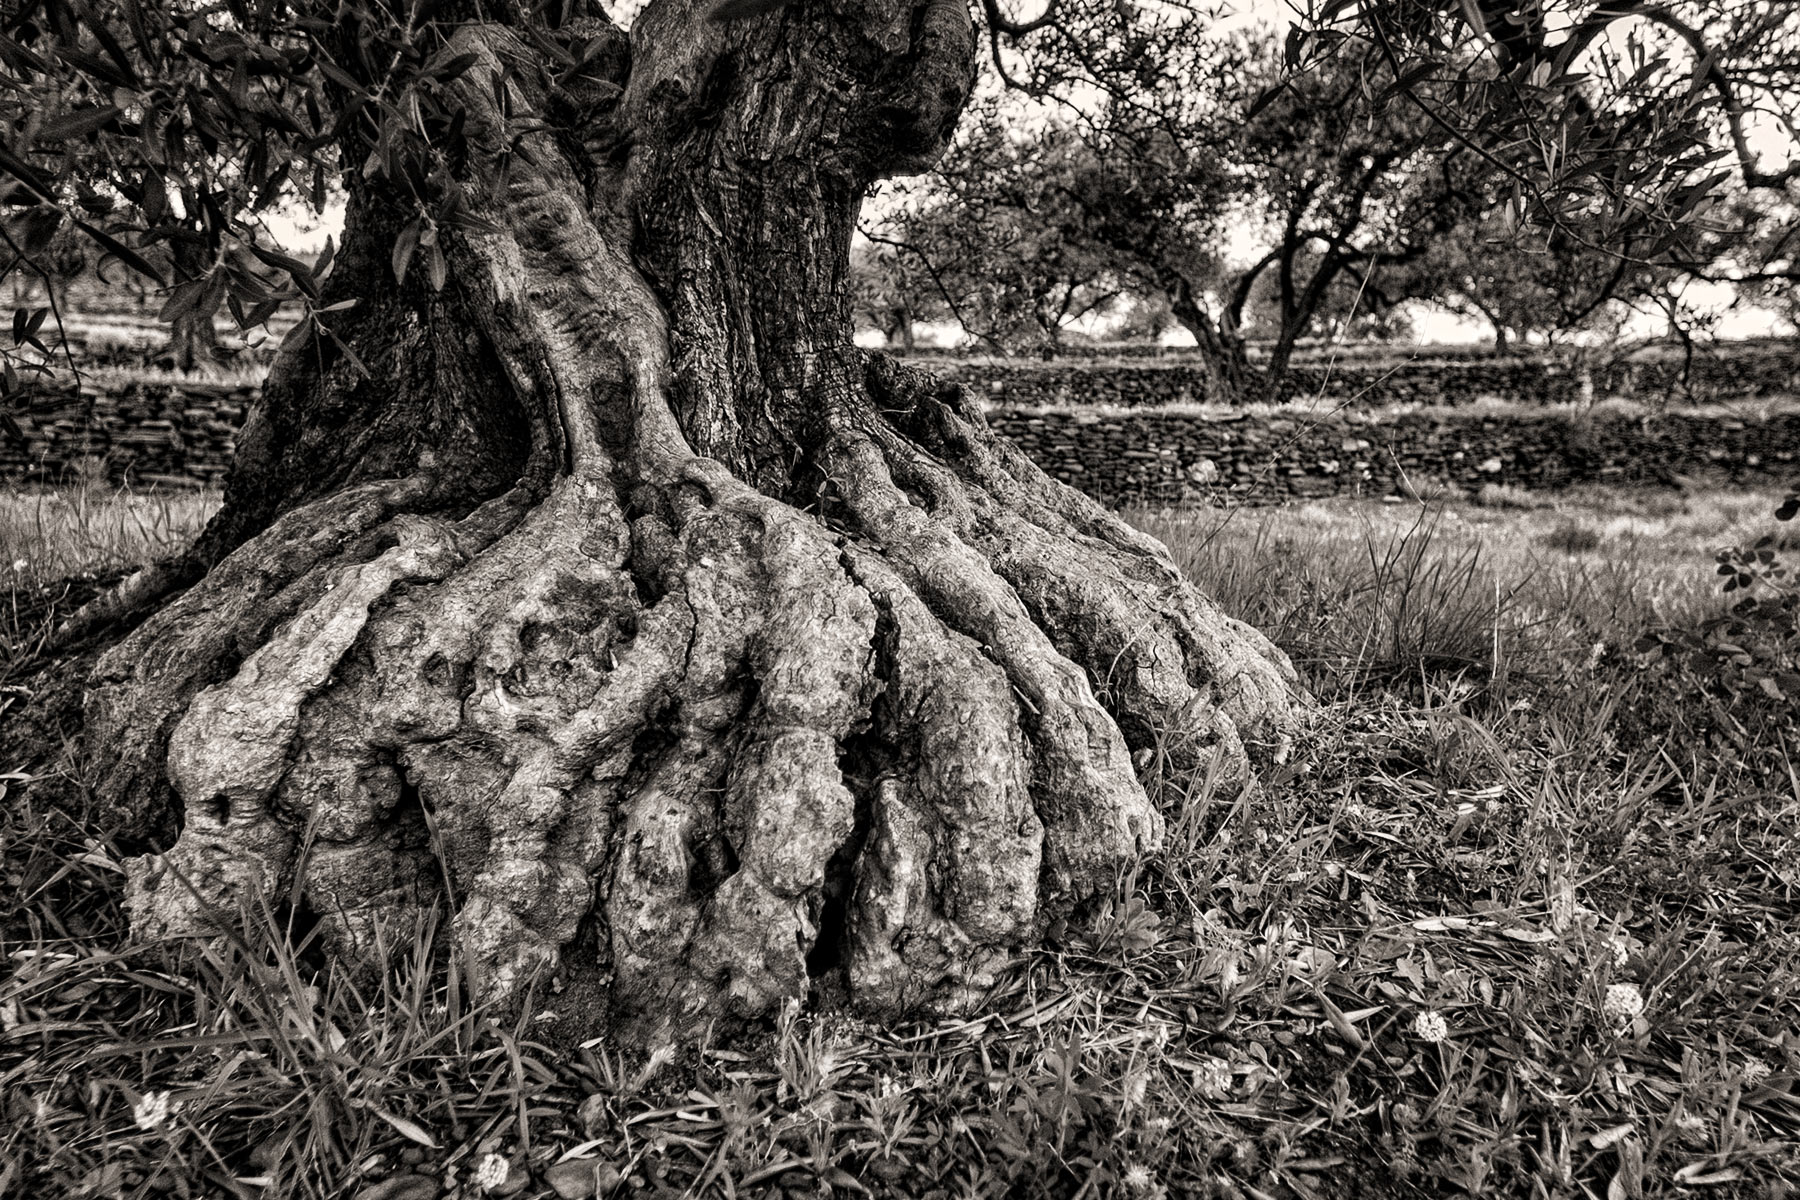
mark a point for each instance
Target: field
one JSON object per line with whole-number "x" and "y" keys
{"x": 1519, "y": 918}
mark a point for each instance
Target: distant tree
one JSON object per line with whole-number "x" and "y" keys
{"x": 1337, "y": 179}
{"x": 1764, "y": 263}
{"x": 889, "y": 297}
{"x": 1354, "y": 309}
{"x": 1351, "y": 183}
{"x": 997, "y": 236}
{"x": 1144, "y": 316}
{"x": 1614, "y": 124}
{"x": 1523, "y": 283}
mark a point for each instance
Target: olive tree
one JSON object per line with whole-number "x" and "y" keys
{"x": 576, "y": 571}
{"x": 1609, "y": 132}
{"x": 575, "y": 568}
{"x": 996, "y": 239}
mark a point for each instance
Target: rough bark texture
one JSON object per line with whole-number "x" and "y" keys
{"x": 703, "y": 660}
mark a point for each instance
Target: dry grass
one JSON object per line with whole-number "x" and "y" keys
{"x": 1365, "y": 591}
{"x": 1387, "y": 973}
{"x": 50, "y": 534}
{"x": 55, "y": 543}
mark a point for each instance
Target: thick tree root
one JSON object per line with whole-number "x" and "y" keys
{"x": 685, "y": 747}
{"x": 700, "y": 758}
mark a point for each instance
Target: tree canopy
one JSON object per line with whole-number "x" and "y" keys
{"x": 1362, "y": 143}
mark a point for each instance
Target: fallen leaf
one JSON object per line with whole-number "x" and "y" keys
{"x": 579, "y": 1178}
{"x": 1611, "y": 1136}
{"x": 401, "y": 1187}
{"x": 1702, "y": 1174}
{"x": 410, "y": 1129}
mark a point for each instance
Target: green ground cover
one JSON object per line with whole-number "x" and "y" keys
{"x": 1518, "y": 918}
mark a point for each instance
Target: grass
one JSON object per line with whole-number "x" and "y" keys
{"x": 1405, "y": 967}
{"x": 1366, "y": 592}
{"x": 58, "y": 544}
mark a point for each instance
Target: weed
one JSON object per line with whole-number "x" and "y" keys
{"x": 1572, "y": 537}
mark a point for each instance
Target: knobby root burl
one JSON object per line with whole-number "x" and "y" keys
{"x": 690, "y": 747}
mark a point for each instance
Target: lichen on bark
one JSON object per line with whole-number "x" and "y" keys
{"x": 747, "y": 666}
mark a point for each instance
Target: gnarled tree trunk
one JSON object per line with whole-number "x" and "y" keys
{"x": 1233, "y": 379}
{"x": 700, "y": 658}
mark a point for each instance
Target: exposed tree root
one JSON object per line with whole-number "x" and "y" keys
{"x": 727, "y": 747}
{"x": 683, "y": 745}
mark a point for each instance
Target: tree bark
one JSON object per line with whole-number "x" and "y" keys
{"x": 698, "y": 659}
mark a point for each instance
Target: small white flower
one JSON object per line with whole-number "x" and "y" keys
{"x": 1213, "y": 1077}
{"x": 1138, "y": 1178}
{"x": 1136, "y": 1087}
{"x": 1619, "y": 950}
{"x": 1755, "y": 1070}
{"x": 19, "y": 564}
{"x": 1624, "y": 1004}
{"x": 1595, "y": 654}
{"x": 1430, "y": 1026}
{"x": 152, "y": 1110}
{"x": 492, "y": 1172}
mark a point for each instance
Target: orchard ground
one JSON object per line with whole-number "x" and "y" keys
{"x": 1519, "y": 918}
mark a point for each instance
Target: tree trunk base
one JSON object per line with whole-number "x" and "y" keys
{"x": 687, "y": 748}
{"x": 695, "y": 760}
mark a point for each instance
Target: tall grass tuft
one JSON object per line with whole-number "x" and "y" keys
{"x": 1365, "y": 597}
{"x": 56, "y": 543}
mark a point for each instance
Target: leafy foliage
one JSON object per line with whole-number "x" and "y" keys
{"x": 1380, "y": 152}
{"x": 163, "y": 133}
{"x": 1743, "y": 665}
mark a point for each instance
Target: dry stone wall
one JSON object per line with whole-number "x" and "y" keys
{"x": 1760, "y": 369}
{"x": 175, "y": 432}
{"x": 1202, "y": 455}
{"x": 180, "y": 433}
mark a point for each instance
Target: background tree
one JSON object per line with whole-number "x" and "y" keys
{"x": 575, "y": 564}
{"x": 888, "y": 296}
{"x": 1525, "y": 284}
{"x": 1337, "y": 179}
{"x": 1618, "y": 124}
{"x": 997, "y": 237}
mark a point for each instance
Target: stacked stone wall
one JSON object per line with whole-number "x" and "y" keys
{"x": 1267, "y": 456}
{"x": 180, "y": 433}
{"x": 176, "y": 432}
{"x": 1754, "y": 370}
